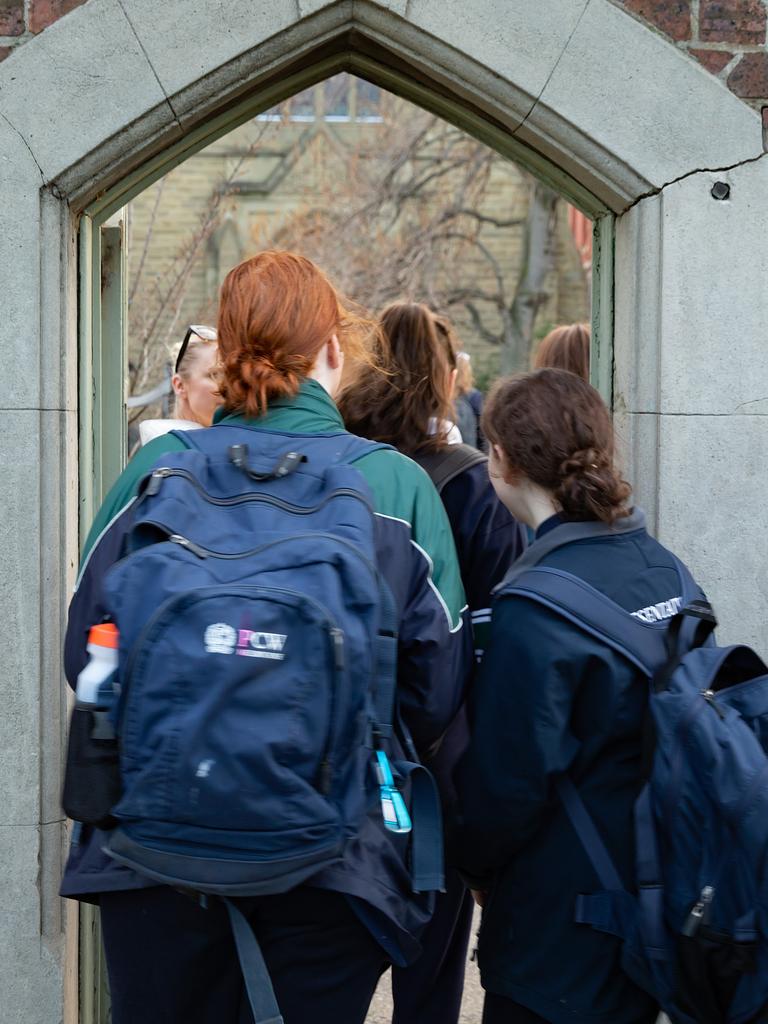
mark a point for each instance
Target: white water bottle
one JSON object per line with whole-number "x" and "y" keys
{"x": 95, "y": 684}
{"x": 92, "y": 776}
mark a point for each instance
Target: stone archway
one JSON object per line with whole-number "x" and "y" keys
{"x": 110, "y": 90}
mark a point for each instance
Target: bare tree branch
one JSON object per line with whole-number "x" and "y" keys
{"x": 478, "y": 324}
{"x": 147, "y": 240}
{"x": 155, "y": 305}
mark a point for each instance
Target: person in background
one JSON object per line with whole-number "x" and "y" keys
{"x": 397, "y": 400}
{"x": 283, "y": 338}
{"x": 468, "y": 400}
{"x": 565, "y": 348}
{"x": 552, "y": 700}
{"x": 194, "y": 383}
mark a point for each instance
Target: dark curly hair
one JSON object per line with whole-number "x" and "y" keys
{"x": 555, "y": 429}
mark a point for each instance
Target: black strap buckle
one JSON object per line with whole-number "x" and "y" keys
{"x": 285, "y": 465}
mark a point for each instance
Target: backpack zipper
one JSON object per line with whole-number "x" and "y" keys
{"x": 185, "y": 542}
{"x": 244, "y": 497}
{"x": 694, "y": 710}
{"x": 202, "y": 552}
{"x": 325, "y": 771}
{"x": 699, "y": 912}
{"x": 682, "y": 731}
{"x": 709, "y": 697}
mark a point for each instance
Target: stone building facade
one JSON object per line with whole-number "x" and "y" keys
{"x": 300, "y": 153}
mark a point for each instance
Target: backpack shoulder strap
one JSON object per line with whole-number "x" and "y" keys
{"x": 644, "y": 644}
{"x": 445, "y": 465}
{"x": 357, "y": 447}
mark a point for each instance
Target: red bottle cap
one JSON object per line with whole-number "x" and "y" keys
{"x": 104, "y": 635}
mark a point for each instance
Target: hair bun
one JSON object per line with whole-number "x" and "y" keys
{"x": 555, "y": 429}
{"x": 583, "y": 461}
{"x": 589, "y": 485}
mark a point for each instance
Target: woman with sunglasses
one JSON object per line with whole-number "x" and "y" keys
{"x": 283, "y": 339}
{"x": 194, "y": 384}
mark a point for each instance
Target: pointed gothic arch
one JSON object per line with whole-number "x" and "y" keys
{"x": 112, "y": 95}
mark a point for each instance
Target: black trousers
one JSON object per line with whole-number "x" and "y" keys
{"x": 500, "y": 1010}
{"x": 172, "y": 962}
{"x": 430, "y": 990}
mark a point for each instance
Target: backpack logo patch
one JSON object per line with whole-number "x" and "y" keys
{"x": 254, "y": 644}
{"x": 221, "y": 638}
{"x": 659, "y": 612}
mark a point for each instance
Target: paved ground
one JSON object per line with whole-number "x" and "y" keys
{"x": 471, "y": 1009}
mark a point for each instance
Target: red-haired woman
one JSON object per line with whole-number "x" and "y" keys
{"x": 405, "y": 399}
{"x": 550, "y": 699}
{"x": 283, "y": 336}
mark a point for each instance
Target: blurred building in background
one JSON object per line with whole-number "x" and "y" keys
{"x": 391, "y": 201}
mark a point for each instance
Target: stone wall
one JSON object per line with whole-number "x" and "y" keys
{"x": 728, "y": 37}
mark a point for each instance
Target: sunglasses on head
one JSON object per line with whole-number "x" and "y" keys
{"x": 199, "y": 331}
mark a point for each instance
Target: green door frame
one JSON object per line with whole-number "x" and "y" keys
{"x": 103, "y": 319}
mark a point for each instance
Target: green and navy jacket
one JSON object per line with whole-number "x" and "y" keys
{"x": 417, "y": 558}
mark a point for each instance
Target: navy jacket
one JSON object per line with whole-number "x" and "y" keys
{"x": 469, "y": 406}
{"x": 416, "y": 556}
{"x": 488, "y": 540}
{"x": 551, "y": 699}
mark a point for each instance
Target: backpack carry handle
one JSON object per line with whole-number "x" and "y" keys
{"x": 677, "y": 647}
{"x": 678, "y": 644}
{"x": 285, "y": 465}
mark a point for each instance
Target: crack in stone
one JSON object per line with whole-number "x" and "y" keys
{"x": 16, "y": 130}
{"x": 696, "y": 170}
{"x": 554, "y": 67}
{"x": 752, "y": 401}
{"x": 33, "y": 824}
{"x": 702, "y": 415}
{"x": 152, "y": 66}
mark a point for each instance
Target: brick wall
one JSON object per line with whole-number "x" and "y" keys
{"x": 728, "y": 37}
{"x": 22, "y": 19}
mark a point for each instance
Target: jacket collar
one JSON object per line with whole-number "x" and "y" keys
{"x": 311, "y": 411}
{"x": 567, "y": 532}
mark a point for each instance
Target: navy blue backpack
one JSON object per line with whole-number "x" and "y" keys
{"x": 694, "y": 925}
{"x": 258, "y": 648}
